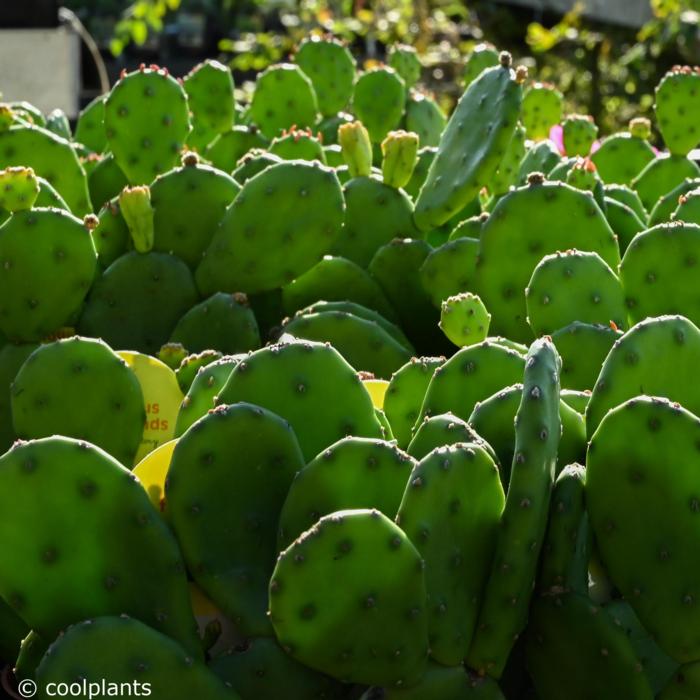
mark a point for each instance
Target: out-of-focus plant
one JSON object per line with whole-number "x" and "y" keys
{"x": 138, "y": 20}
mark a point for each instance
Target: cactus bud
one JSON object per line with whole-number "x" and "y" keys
{"x": 356, "y": 147}
{"x": 583, "y": 175}
{"x": 135, "y": 204}
{"x": 400, "y": 151}
{"x": 640, "y": 128}
{"x": 19, "y": 189}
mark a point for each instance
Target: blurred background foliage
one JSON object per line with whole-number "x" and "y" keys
{"x": 603, "y": 70}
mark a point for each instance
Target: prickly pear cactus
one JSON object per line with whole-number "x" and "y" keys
{"x": 138, "y": 300}
{"x": 503, "y": 614}
{"x": 190, "y": 366}
{"x": 228, "y": 148}
{"x": 12, "y": 357}
{"x": 298, "y": 144}
{"x": 336, "y": 612}
{"x": 450, "y": 269}
{"x": 662, "y": 175}
{"x": 425, "y": 118}
{"x": 188, "y": 203}
{"x": 146, "y": 122}
{"x": 597, "y": 661}
{"x": 19, "y": 189}
{"x": 47, "y": 264}
{"x": 351, "y": 473}
{"x": 331, "y": 68}
{"x": 657, "y": 356}
{"x": 80, "y": 388}
{"x": 89, "y": 129}
{"x": 542, "y": 109}
{"x": 472, "y": 145}
{"x": 110, "y": 652}
{"x": 621, "y": 157}
{"x": 658, "y": 272}
{"x": 283, "y": 97}
{"x": 579, "y": 133}
{"x": 209, "y": 88}
{"x": 47, "y": 557}
{"x": 223, "y": 322}
{"x": 525, "y": 225}
{"x": 249, "y": 456}
{"x": 464, "y": 319}
{"x": 651, "y": 561}
{"x": 260, "y": 246}
{"x": 482, "y": 57}
{"x": 261, "y": 670}
{"x": 404, "y": 60}
{"x": 573, "y": 286}
{"x": 379, "y": 100}
{"x": 310, "y": 385}
{"x": 677, "y": 111}
{"x": 434, "y": 513}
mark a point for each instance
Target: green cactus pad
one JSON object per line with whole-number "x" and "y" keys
{"x": 288, "y": 237}
{"x": 190, "y": 366}
{"x": 114, "y": 555}
{"x": 494, "y": 419}
{"x": 352, "y": 473}
{"x": 469, "y": 376}
{"x": 298, "y": 144}
{"x": 658, "y": 272}
{"x": 464, "y": 319}
{"x": 189, "y": 203}
{"x": 146, "y": 122}
{"x": 482, "y": 57}
{"x": 564, "y": 553}
{"x": 506, "y": 176}
{"x": 583, "y": 348}
{"x": 52, "y": 158}
{"x": 404, "y": 60}
{"x": 228, "y": 148}
{"x": 89, "y": 129}
{"x": 650, "y": 560}
{"x": 677, "y": 111}
{"x": 658, "y": 667}
{"x": 542, "y": 157}
{"x": 657, "y": 357}
{"x": 503, "y": 614}
{"x": 624, "y": 222}
{"x": 47, "y": 264}
{"x": 57, "y": 122}
{"x": 375, "y": 214}
{"x": 621, "y": 157}
{"x": 378, "y": 101}
{"x": 426, "y": 155}
{"x": 336, "y": 612}
{"x": 110, "y": 236}
{"x": 662, "y": 175}
{"x": 573, "y": 286}
{"x": 12, "y": 358}
{"x": 80, "y": 388}
{"x": 455, "y": 535}
{"x": 684, "y": 685}
{"x": 261, "y": 670}
{"x": 361, "y": 312}
{"x": 688, "y": 208}
{"x": 199, "y": 399}
{"x": 230, "y": 473}
{"x": 425, "y": 118}
{"x": 525, "y": 225}
{"x": 252, "y": 163}
{"x": 472, "y": 146}
{"x": 105, "y": 181}
{"x": 579, "y": 133}
{"x": 19, "y": 189}
{"x": 363, "y": 343}
{"x": 450, "y": 269}
{"x": 664, "y": 208}
{"x": 138, "y": 300}
{"x": 336, "y": 279}
{"x": 223, "y": 322}
{"x": 283, "y": 96}
{"x": 396, "y": 267}
{"x": 113, "y": 652}
{"x": 542, "y": 109}
{"x": 331, "y": 68}
{"x": 626, "y": 195}
{"x": 311, "y": 386}
{"x": 597, "y": 661}
{"x": 439, "y": 431}
{"x": 405, "y": 393}
{"x": 209, "y": 88}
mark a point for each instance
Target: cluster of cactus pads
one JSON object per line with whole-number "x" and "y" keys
{"x": 326, "y": 395}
